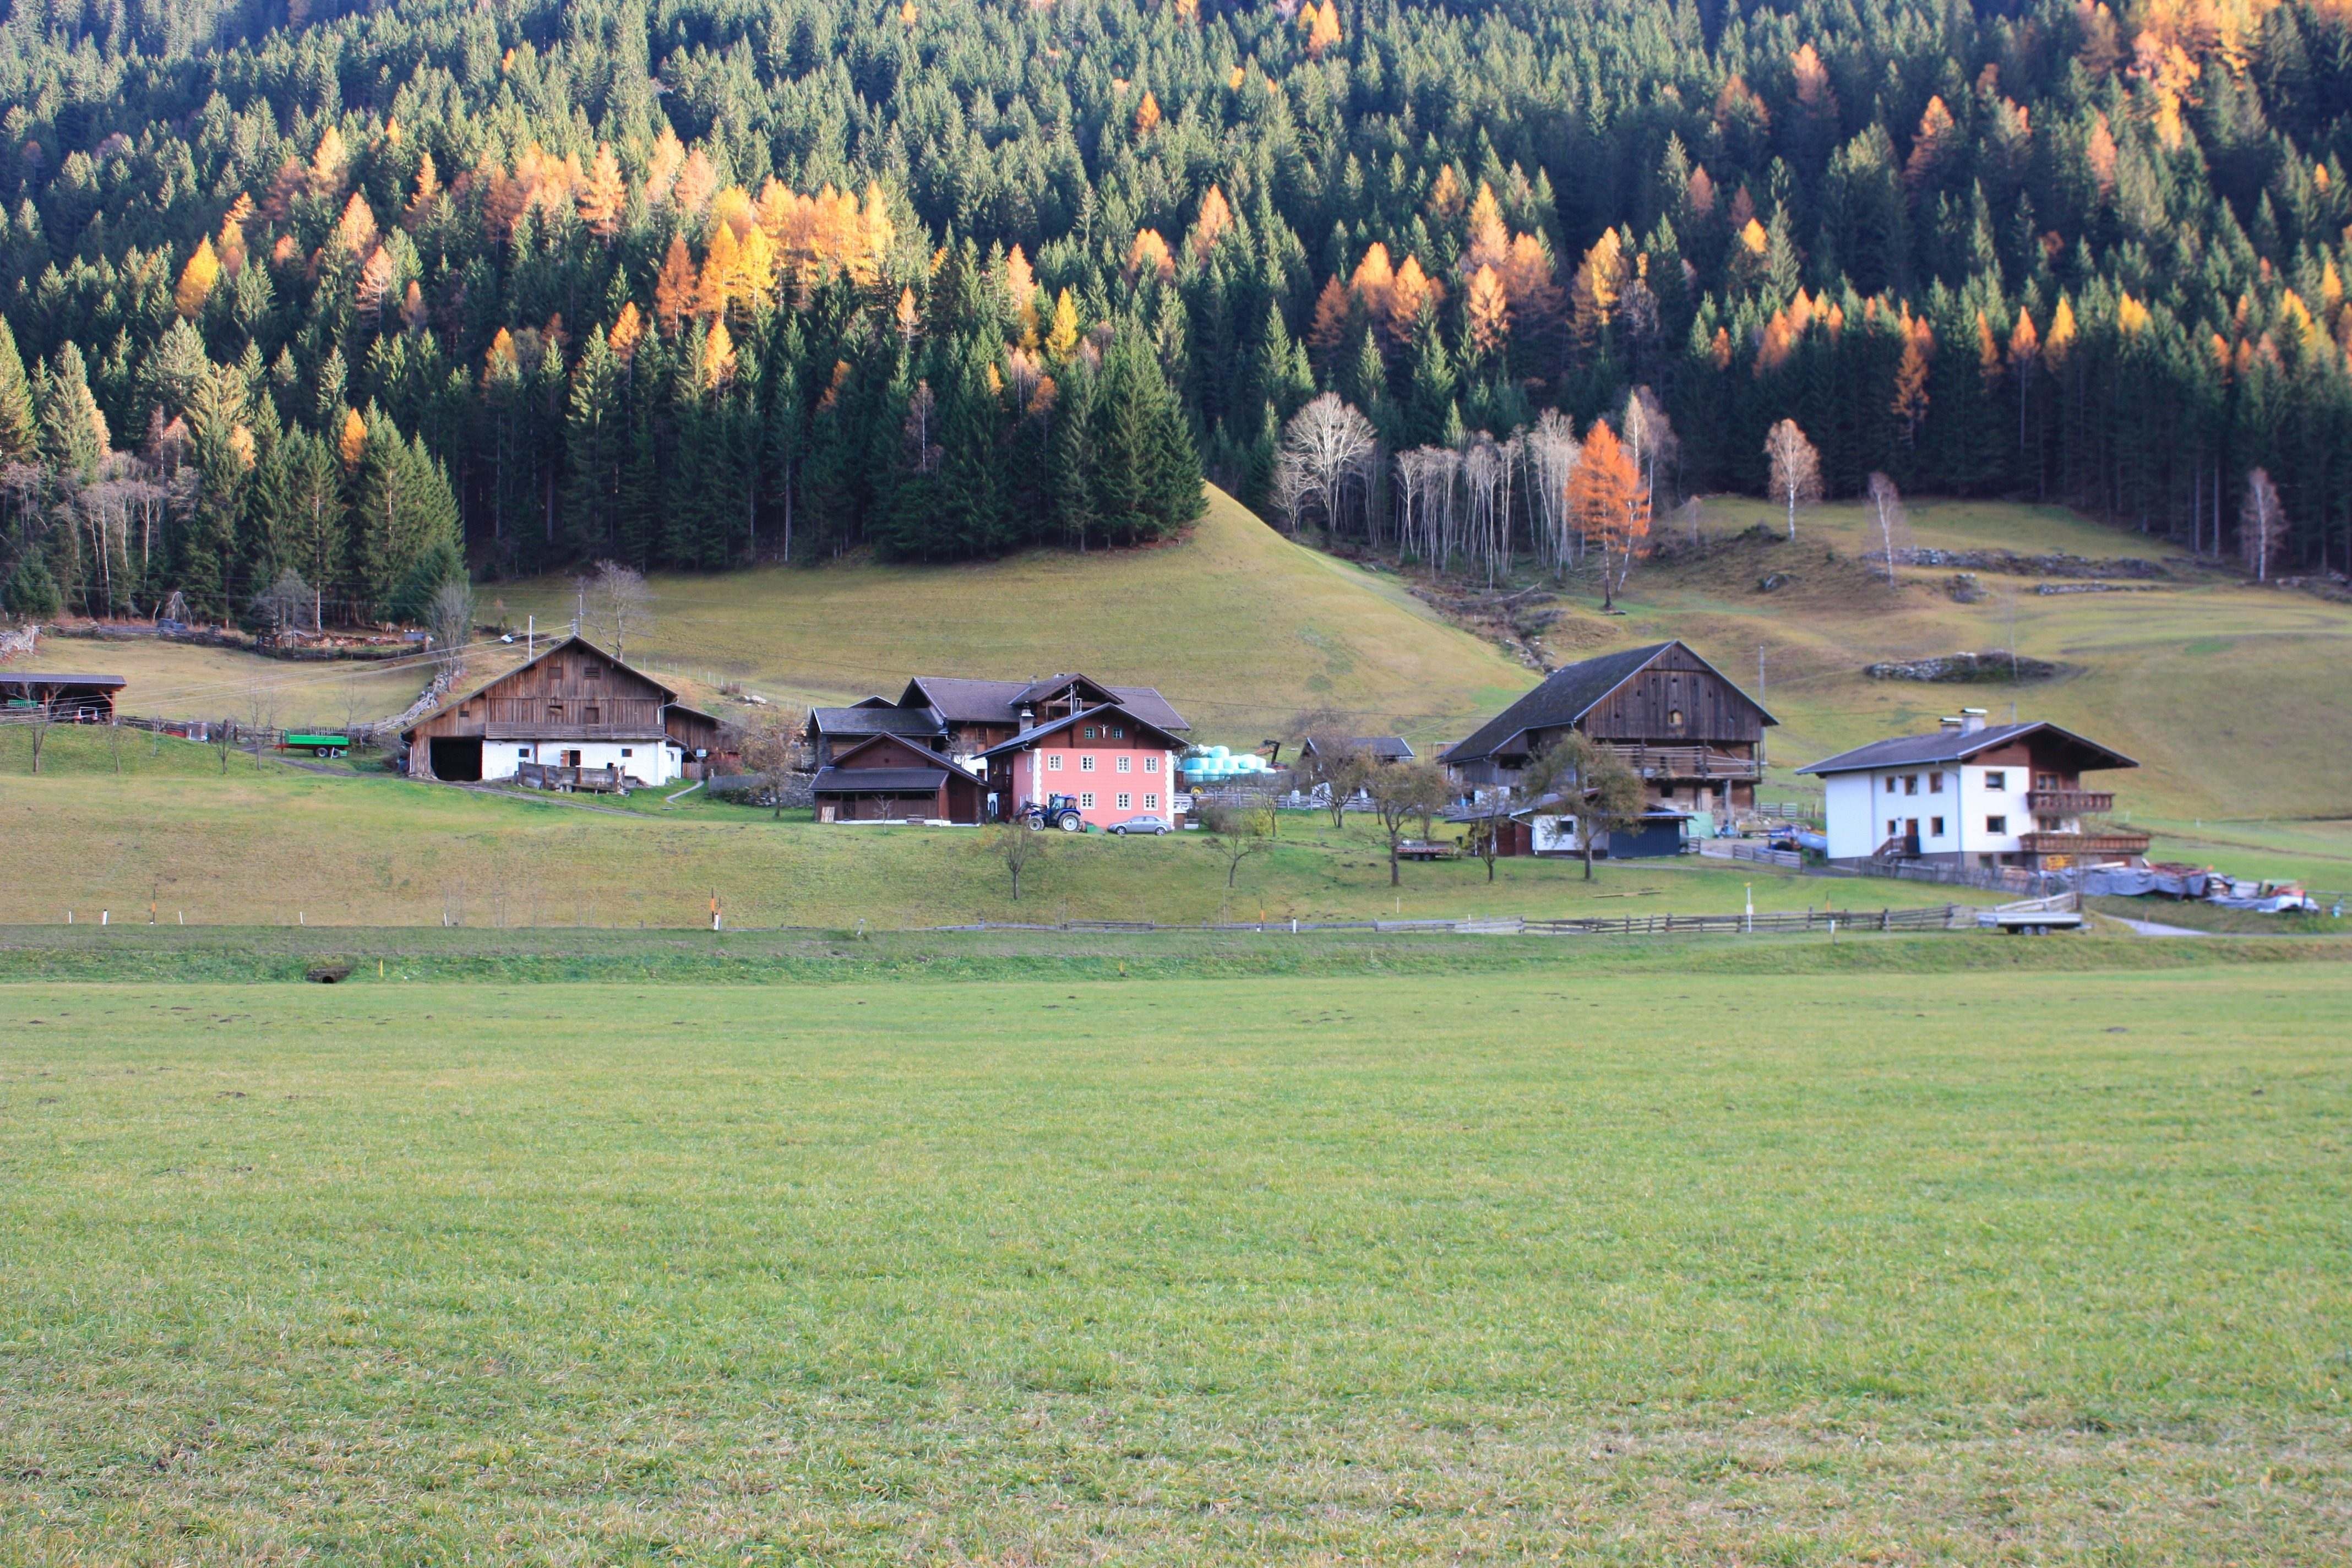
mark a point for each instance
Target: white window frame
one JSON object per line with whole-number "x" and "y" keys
{"x": 1086, "y": 800}
{"x": 1126, "y": 801}
{"x": 1151, "y": 765}
{"x": 1126, "y": 764}
{"x": 1085, "y": 761}
{"x": 1053, "y": 761}
{"x": 1151, "y": 803}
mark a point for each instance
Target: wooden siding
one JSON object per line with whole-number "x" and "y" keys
{"x": 1714, "y": 712}
{"x": 572, "y": 690}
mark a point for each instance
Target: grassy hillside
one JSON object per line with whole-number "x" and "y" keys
{"x": 2222, "y": 690}
{"x": 276, "y": 845}
{"x": 1374, "y": 1269}
{"x": 1240, "y": 627}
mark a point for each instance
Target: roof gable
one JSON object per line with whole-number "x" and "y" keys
{"x": 1573, "y": 690}
{"x": 1958, "y": 745}
{"x": 899, "y": 748}
{"x": 1033, "y": 735}
{"x": 666, "y": 695}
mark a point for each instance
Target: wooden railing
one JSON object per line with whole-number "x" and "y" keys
{"x": 606, "y": 780}
{"x": 2070, "y": 802}
{"x": 539, "y": 712}
{"x": 2084, "y": 843}
{"x": 1685, "y": 761}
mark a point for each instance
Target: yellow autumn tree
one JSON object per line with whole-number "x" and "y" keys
{"x": 1215, "y": 218}
{"x": 1147, "y": 114}
{"x": 674, "y": 286}
{"x": 2060, "y": 341}
{"x": 355, "y": 233}
{"x": 352, "y": 443}
{"x": 602, "y": 197}
{"x": 1323, "y": 31}
{"x": 330, "y": 164}
{"x": 717, "y": 367}
{"x": 1489, "y": 311}
{"x": 1062, "y": 341}
{"x": 196, "y": 280}
{"x": 1149, "y": 253}
{"x": 718, "y": 269}
{"x": 628, "y": 328}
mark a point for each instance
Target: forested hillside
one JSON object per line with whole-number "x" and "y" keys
{"x": 374, "y": 294}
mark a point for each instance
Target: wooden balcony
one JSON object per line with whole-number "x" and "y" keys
{"x": 1685, "y": 762}
{"x": 2070, "y": 802}
{"x": 555, "y": 729}
{"x": 2109, "y": 843}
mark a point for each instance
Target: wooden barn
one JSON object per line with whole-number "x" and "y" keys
{"x": 889, "y": 778}
{"x": 1694, "y": 737}
{"x": 574, "y": 707}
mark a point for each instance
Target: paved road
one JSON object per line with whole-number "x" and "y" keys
{"x": 2153, "y": 928}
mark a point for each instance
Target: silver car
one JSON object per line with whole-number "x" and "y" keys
{"x": 1147, "y": 822}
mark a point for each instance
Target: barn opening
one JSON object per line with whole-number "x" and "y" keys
{"x": 457, "y": 758}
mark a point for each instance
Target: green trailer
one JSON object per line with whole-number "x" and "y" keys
{"x": 317, "y": 745}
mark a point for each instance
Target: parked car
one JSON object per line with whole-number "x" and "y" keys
{"x": 1147, "y": 822}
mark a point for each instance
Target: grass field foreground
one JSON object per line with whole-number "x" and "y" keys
{"x": 1667, "y": 1267}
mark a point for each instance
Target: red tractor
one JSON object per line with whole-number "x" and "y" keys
{"x": 1059, "y": 811}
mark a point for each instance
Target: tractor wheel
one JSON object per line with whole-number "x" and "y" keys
{"x": 1033, "y": 823}
{"x": 1073, "y": 823}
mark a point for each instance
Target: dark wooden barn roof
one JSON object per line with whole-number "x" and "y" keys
{"x": 1571, "y": 692}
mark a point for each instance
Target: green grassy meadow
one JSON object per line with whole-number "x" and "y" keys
{"x": 1659, "y": 1257}
{"x": 278, "y": 845}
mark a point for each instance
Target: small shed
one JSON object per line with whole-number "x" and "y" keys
{"x": 69, "y": 698}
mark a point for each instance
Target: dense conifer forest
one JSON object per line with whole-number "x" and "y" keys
{"x": 379, "y": 295}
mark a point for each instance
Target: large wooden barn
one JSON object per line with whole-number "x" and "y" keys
{"x": 1695, "y": 738}
{"x": 573, "y": 707}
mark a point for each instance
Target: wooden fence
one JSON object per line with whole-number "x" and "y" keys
{"x": 1933, "y": 917}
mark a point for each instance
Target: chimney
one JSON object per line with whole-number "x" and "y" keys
{"x": 1950, "y": 722}
{"x": 1028, "y": 717}
{"x": 1972, "y": 721}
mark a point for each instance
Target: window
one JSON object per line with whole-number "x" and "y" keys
{"x": 1126, "y": 802}
{"x": 1935, "y": 784}
{"x": 1996, "y": 779}
{"x": 1118, "y": 731}
{"x": 1675, "y": 717}
{"x": 1890, "y": 786}
{"x": 1086, "y": 800}
{"x": 1085, "y": 761}
{"x": 1090, "y": 733}
{"x": 588, "y": 672}
{"x": 1910, "y": 783}
{"x": 1996, "y": 824}
{"x": 465, "y": 712}
{"x": 628, "y": 750}
{"x": 1934, "y": 827}
{"x": 1126, "y": 764}
{"x": 1891, "y": 828}
{"x": 1151, "y": 803}
{"x": 1053, "y": 761}
{"x": 2045, "y": 781}
{"x": 522, "y": 751}
{"x": 555, "y": 709}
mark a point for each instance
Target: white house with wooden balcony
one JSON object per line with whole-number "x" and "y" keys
{"x": 1693, "y": 736}
{"x": 574, "y": 717}
{"x": 1976, "y": 796}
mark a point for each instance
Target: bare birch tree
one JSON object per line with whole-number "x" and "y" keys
{"x": 1889, "y": 502}
{"x": 2262, "y": 523}
{"x": 617, "y": 604}
{"x": 1796, "y": 469}
{"x": 1328, "y": 442}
